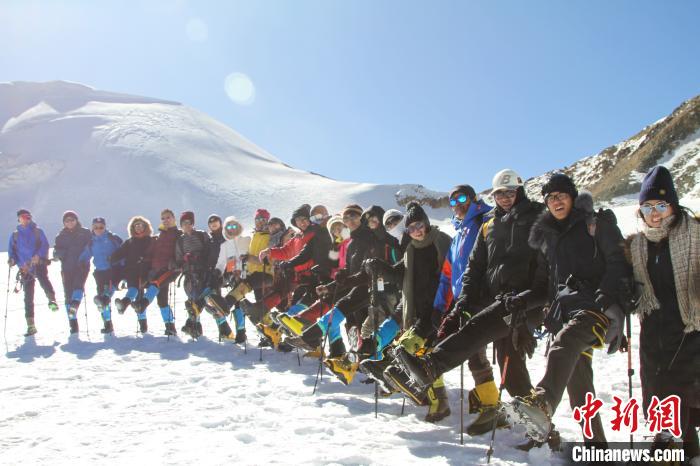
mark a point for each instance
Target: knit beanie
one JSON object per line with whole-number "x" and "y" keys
{"x": 415, "y": 213}
{"x": 187, "y": 215}
{"x": 561, "y": 183}
{"x": 658, "y": 185}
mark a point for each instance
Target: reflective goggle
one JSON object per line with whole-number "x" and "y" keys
{"x": 461, "y": 199}
{"x": 414, "y": 227}
{"x": 661, "y": 208}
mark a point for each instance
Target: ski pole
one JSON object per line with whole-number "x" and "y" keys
{"x": 7, "y": 303}
{"x": 495, "y": 418}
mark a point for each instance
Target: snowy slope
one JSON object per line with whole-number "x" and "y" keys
{"x": 147, "y": 400}
{"x": 67, "y": 146}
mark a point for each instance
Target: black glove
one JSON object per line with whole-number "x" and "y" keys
{"x": 341, "y": 275}
{"x": 523, "y": 341}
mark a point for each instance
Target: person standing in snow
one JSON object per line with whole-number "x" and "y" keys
{"x": 135, "y": 252}
{"x": 29, "y": 250}
{"x": 70, "y": 244}
{"x": 665, "y": 258}
{"x": 107, "y": 276}
{"x": 162, "y": 270}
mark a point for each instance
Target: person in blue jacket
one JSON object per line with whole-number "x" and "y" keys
{"x": 70, "y": 244}
{"x": 29, "y": 250}
{"x": 107, "y": 276}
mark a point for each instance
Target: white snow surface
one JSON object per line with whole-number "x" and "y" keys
{"x": 146, "y": 400}
{"x": 68, "y": 146}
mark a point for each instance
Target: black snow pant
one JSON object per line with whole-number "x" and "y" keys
{"x": 41, "y": 273}
{"x": 470, "y": 341}
{"x": 569, "y": 364}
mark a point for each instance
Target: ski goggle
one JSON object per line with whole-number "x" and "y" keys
{"x": 661, "y": 208}
{"x": 232, "y": 226}
{"x": 461, "y": 199}
{"x": 414, "y": 227}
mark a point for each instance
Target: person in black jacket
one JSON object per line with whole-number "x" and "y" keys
{"x": 70, "y": 243}
{"x": 135, "y": 252}
{"x": 665, "y": 257}
{"x": 192, "y": 256}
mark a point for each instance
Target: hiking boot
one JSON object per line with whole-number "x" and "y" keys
{"x": 401, "y": 382}
{"x": 438, "y": 407}
{"x": 241, "y": 337}
{"x": 375, "y": 371}
{"x": 108, "y": 328}
{"x": 73, "y": 325}
{"x": 140, "y": 305}
{"x": 143, "y": 325}
{"x": 170, "y": 329}
{"x": 484, "y": 421}
{"x": 534, "y": 412}
{"x": 293, "y": 325}
{"x": 121, "y": 304}
{"x": 342, "y": 368}
{"x": 420, "y": 370}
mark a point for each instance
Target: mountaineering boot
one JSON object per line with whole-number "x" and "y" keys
{"x": 375, "y": 371}
{"x": 170, "y": 329}
{"x": 73, "y": 325}
{"x": 31, "y": 329}
{"x": 534, "y": 412}
{"x": 484, "y": 400}
{"x": 402, "y": 382}
{"x": 225, "y": 332}
{"x": 108, "y": 328}
{"x": 342, "y": 368}
{"x": 143, "y": 325}
{"x": 420, "y": 370}
{"x": 438, "y": 407}
{"x": 121, "y": 304}
{"x": 240, "y": 336}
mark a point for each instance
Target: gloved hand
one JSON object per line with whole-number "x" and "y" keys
{"x": 523, "y": 341}
{"x": 614, "y": 337}
{"x": 411, "y": 341}
{"x": 341, "y": 275}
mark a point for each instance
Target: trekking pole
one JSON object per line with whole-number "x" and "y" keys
{"x": 630, "y": 369}
{"x": 319, "y": 372}
{"x": 7, "y": 303}
{"x": 495, "y": 418}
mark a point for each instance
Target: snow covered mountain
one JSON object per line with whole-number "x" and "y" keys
{"x": 67, "y": 146}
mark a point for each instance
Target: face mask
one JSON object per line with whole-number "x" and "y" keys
{"x": 398, "y": 230}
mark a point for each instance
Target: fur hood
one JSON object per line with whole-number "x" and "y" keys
{"x": 546, "y": 223}
{"x": 144, "y": 220}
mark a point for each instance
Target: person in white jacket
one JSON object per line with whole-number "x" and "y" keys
{"x": 231, "y": 266}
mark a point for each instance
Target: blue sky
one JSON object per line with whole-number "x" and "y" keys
{"x": 437, "y": 93}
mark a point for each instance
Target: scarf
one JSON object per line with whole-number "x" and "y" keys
{"x": 684, "y": 243}
{"x": 409, "y": 307}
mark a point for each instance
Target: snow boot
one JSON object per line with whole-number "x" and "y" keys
{"x": 342, "y": 368}
{"x": 402, "y": 382}
{"x": 419, "y": 369}
{"x": 143, "y": 325}
{"x": 170, "y": 329}
{"x": 31, "y": 329}
{"x": 534, "y": 412}
{"x": 73, "y": 325}
{"x": 438, "y": 407}
{"x": 240, "y": 336}
{"x": 121, "y": 304}
{"x": 108, "y": 328}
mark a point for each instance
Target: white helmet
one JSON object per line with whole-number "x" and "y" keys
{"x": 506, "y": 179}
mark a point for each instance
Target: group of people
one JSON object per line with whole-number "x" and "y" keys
{"x": 415, "y": 303}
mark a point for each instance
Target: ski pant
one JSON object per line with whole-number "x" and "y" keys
{"x": 41, "y": 273}
{"x": 569, "y": 364}
{"x": 469, "y": 343}
{"x": 74, "y": 285}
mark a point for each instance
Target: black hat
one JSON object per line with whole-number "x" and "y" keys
{"x": 23, "y": 212}
{"x": 463, "y": 188}
{"x": 561, "y": 183}
{"x": 658, "y": 185}
{"x": 303, "y": 210}
{"x": 415, "y": 213}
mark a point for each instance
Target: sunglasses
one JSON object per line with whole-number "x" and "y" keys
{"x": 661, "y": 208}
{"x": 414, "y": 227}
{"x": 233, "y": 226}
{"x": 461, "y": 199}
{"x": 505, "y": 194}
{"x": 186, "y": 222}
{"x": 556, "y": 197}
